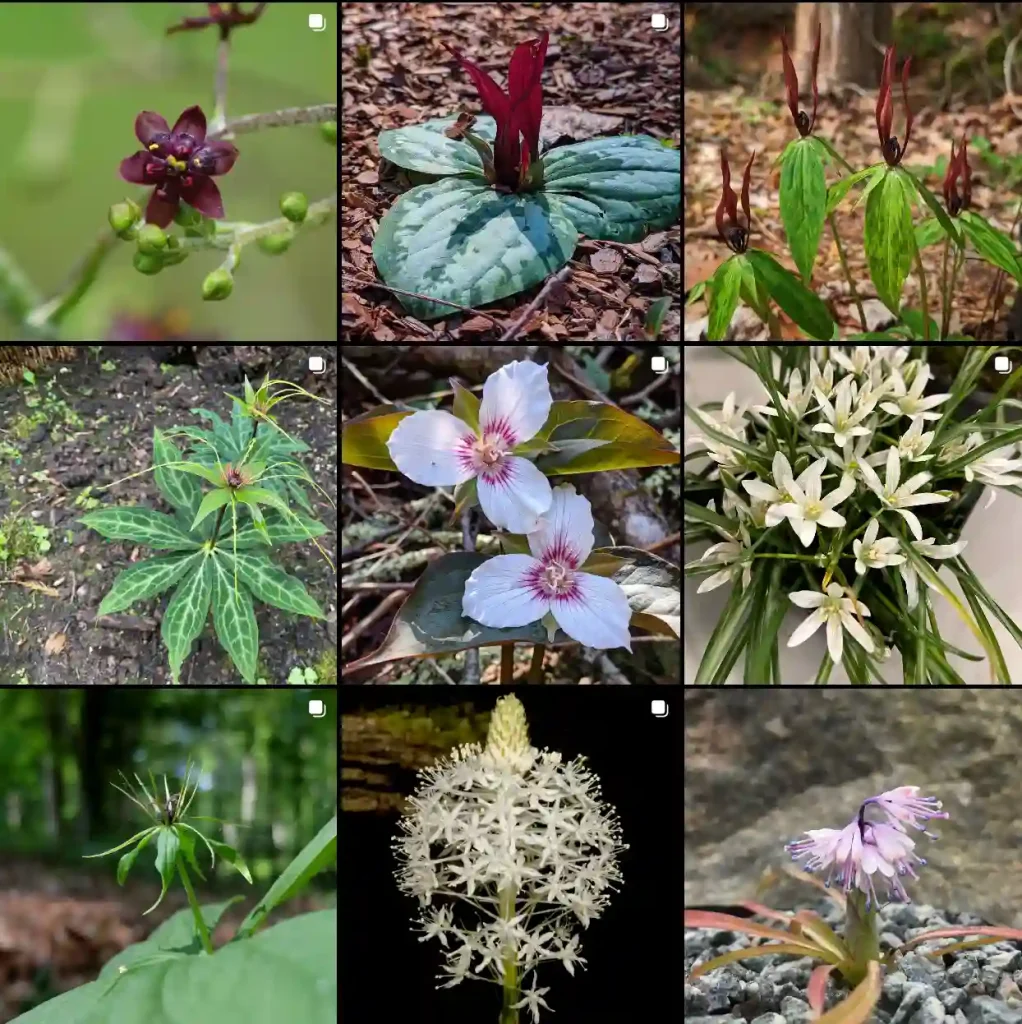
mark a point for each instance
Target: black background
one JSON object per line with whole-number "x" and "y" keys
{"x": 387, "y": 974}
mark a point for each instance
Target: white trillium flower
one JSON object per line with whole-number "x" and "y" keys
{"x": 807, "y": 507}
{"x": 842, "y": 420}
{"x": 514, "y": 590}
{"x": 871, "y": 553}
{"x": 439, "y": 450}
{"x": 928, "y": 548}
{"x": 901, "y": 498}
{"x": 908, "y": 401}
{"x": 838, "y": 612}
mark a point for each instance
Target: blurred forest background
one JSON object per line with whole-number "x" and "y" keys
{"x": 73, "y": 77}
{"x": 265, "y": 766}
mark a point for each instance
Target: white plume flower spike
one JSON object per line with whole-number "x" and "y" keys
{"x": 508, "y": 850}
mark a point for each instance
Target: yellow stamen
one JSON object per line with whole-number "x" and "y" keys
{"x": 178, "y": 165}
{"x": 153, "y": 146}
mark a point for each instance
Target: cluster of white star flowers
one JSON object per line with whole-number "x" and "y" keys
{"x": 850, "y": 446}
{"x": 508, "y": 849}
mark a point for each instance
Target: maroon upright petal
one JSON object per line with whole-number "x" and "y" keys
{"x": 948, "y": 185}
{"x": 141, "y": 169}
{"x": 728, "y": 205}
{"x": 215, "y": 158}
{"x": 790, "y": 79}
{"x": 193, "y": 122}
{"x": 884, "y": 113}
{"x": 204, "y": 196}
{"x": 908, "y": 109}
{"x": 816, "y": 65}
{"x": 745, "y": 191}
{"x": 161, "y": 209}
{"x": 148, "y": 125}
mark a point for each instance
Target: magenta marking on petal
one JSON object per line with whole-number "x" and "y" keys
{"x": 464, "y": 450}
{"x": 501, "y": 426}
{"x": 562, "y": 551}
{"x": 534, "y": 580}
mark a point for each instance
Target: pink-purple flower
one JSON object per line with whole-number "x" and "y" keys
{"x": 180, "y": 163}
{"x": 865, "y": 854}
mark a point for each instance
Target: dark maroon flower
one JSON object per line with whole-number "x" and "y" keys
{"x": 518, "y": 112}
{"x": 732, "y": 232}
{"x": 225, "y": 20}
{"x": 958, "y": 168}
{"x": 893, "y": 153}
{"x": 803, "y": 122}
{"x": 180, "y": 163}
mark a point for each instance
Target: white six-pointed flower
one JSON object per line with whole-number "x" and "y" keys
{"x": 731, "y": 555}
{"x": 900, "y": 498}
{"x": 842, "y": 420}
{"x": 994, "y": 468}
{"x": 914, "y": 442}
{"x": 514, "y": 590}
{"x": 796, "y": 403}
{"x": 928, "y": 548}
{"x": 850, "y": 456}
{"x": 777, "y": 494}
{"x": 838, "y": 612}
{"x": 871, "y": 553}
{"x": 808, "y": 508}
{"x": 908, "y": 401}
{"x": 439, "y": 450}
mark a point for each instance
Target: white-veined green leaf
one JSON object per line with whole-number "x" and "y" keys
{"x": 234, "y": 619}
{"x": 186, "y": 615}
{"x": 142, "y": 525}
{"x": 180, "y": 489}
{"x": 144, "y": 579}
{"x": 270, "y": 584}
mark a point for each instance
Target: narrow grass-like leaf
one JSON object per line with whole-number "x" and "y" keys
{"x": 728, "y": 638}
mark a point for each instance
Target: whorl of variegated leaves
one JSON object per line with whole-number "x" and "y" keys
{"x": 507, "y": 741}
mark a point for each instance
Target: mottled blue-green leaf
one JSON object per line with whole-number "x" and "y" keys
{"x": 425, "y": 148}
{"x": 270, "y": 584}
{"x": 186, "y": 614}
{"x": 234, "y": 620}
{"x": 142, "y": 525}
{"x": 180, "y": 489}
{"x": 469, "y": 244}
{"x": 144, "y": 579}
{"x": 618, "y": 189}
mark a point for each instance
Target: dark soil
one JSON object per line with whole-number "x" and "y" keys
{"x": 93, "y": 426}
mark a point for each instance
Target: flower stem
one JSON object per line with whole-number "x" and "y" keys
{"x": 512, "y": 985}
{"x": 536, "y": 668}
{"x": 276, "y": 119}
{"x": 223, "y": 53}
{"x": 200, "y": 924}
{"x": 507, "y": 663}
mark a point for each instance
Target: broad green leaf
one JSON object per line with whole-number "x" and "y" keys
{"x": 234, "y": 619}
{"x": 425, "y": 148}
{"x": 806, "y": 308}
{"x": 464, "y": 242}
{"x": 631, "y": 442}
{"x": 180, "y": 489}
{"x": 316, "y": 856}
{"x": 993, "y": 245}
{"x": 260, "y": 495}
{"x": 270, "y": 584}
{"x": 618, "y": 189}
{"x": 840, "y": 189}
{"x": 214, "y": 476}
{"x": 144, "y": 579}
{"x": 167, "y": 844}
{"x": 655, "y": 317}
{"x": 929, "y": 232}
{"x": 803, "y": 203}
{"x": 186, "y": 615}
{"x": 938, "y": 211}
{"x": 297, "y": 528}
{"x": 364, "y": 439}
{"x": 142, "y": 525}
{"x": 287, "y": 972}
{"x": 211, "y": 502}
{"x": 888, "y": 238}
{"x": 724, "y": 287}
{"x": 466, "y": 405}
{"x": 232, "y": 857}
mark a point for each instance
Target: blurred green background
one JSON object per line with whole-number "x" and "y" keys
{"x": 73, "y": 77}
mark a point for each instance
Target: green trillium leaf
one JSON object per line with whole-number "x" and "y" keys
{"x": 186, "y": 615}
{"x": 234, "y": 619}
{"x": 142, "y": 525}
{"x": 144, "y": 579}
{"x": 180, "y": 489}
{"x": 270, "y": 584}
{"x": 425, "y": 148}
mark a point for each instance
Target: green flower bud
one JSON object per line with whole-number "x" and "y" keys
{"x": 187, "y": 216}
{"x": 147, "y": 263}
{"x": 123, "y": 215}
{"x": 152, "y": 239}
{"x": 174, "y": 255}
{"x": 218, "y": 285}
{"x": 274, "y": 245}
{"x": 294, "y": 206}
{"x": 328, "y": 129}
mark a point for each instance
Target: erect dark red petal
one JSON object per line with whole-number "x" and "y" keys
{"x": 161, "y": 209}
{"x": 908, "y": 109}
{"x": 728, "y": 204}
{"x": 948, "y": 186}
{"x": 148, "y": 125}
{"x": 790, "y": 78}
{"x": 193, "y": 122}
{"x": 816, "y": 65}
{"x": 884, "y": 110}
{"x": 495, "y": 103}
{"x": 214, "y": 158}
{"x": 204, "y": 196}
{"x": 745, "y": 191}
{"x": 966, "y": 172}
{"x": 136, "y": 169}
{"x": 525, "y": 90}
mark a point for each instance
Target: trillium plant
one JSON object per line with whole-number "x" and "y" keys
{"x": 552, "y": 579}
{"x": 175, "y": 167}
{"x": 218, "y": 541}
{"x": 289, "y": 967}
{"x": 497, "y": 214}
{"x": 842, "y": 495}
{"x": 869, "y": 858}
{"x": 892, "y": 239}
{"x": 508, "y": 850}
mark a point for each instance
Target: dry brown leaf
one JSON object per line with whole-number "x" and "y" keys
{"x": 606, "y": 261}
{"x": 55, "y": 643}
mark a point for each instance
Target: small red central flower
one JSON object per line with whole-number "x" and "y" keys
{"x": 179, "y": 162}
